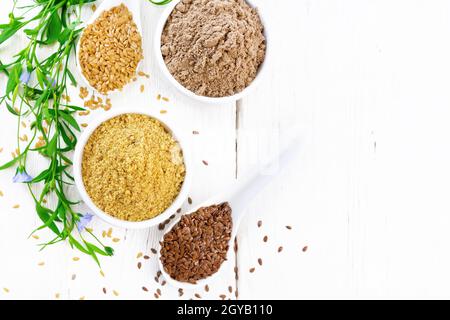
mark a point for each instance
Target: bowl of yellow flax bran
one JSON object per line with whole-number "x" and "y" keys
{"x": 132, "y": 169}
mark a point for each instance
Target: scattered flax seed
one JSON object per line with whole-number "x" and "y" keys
{"x": 153, "y": 250}
{"x": 145, "y": 289}
{"x": 6, "y": 290}
{"x": 116, "y": 293}
{"x": 195, "y": 132}
{"x": 206, "y": 288}
{"x": 116, "y": 240}
{"x": 146, "y": 257}
{"x": 156, "y": 295}
{"x": 104, "y": 290}
{"x": 82, "y": 297}
{"x": 205, "y": 162}
{"x": 260, "y": 261}
{"x": 158, "y": 97}
{"x": 230, "y": 289}
{"x": 156, "y": 279}
{"x": 165, "y": 99}
{"x": 289, "y": 227}
{"x": 1, "y": 149}
{"x": 163, "y": 283}
{"x": 252, "y": 270}
{"x": 16, "y": 206}
{"x": 83, "y": 92}
{"x": 1, "y": 193}
{"x": 84, "y": 113}
{"x": 103, "y": 233}
{"x": 189, "y": 200}
{"x": 75, "y": 259}
{"x": 142, "y": 88}
{"x": 159, "y": 273}
{"x": 23, "y": 124}
{"x": 163, "y": 111}
{"x": 41, "y": 263}
{"x": 94, "y": 7}
{"x": 102, "y": 273}
{"x": 198, "y": 296}
{"x": 84, "y": 125}
{"x": 140, "y": 254}
{"x": 305, "y": 248}
{"x": 74, "y": 276}
{"x": 179, "y": 210}
{"x": 280, "y": 249}
{"x": 265, "y": 238}
{"x": 158, "y": 291}
{"x": 222, "y": 296}
{"x": 180, "y": 292}
{"x": 236, "y": 293}
{"x": 139, "y": 265}
{"x": 57, "y": 295}
{"x": 39, "y": 144}
{"x": 35, "y": 236}
{"x": 259, "y": 224}
{"x": 24, "y": 138}
{"x": 109, "y": 233}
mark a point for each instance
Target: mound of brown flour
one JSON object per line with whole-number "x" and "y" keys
{"x": 213, "y": 47}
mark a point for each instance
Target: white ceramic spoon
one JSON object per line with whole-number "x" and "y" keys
{"x": 239, "y": 195}
{"x": 134, "y": 6}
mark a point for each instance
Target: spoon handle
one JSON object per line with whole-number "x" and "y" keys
{"x": 247, "y": 188}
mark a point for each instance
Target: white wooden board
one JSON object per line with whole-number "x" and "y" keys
{"x": 366, "y": 83}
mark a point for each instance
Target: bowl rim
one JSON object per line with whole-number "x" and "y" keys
{"x": 77, "y": 161}
{"x": 210, "y": 100}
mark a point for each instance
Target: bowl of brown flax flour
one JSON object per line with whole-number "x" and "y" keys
{"x": 214, "y": 51}
{"x": 132, "y": 169}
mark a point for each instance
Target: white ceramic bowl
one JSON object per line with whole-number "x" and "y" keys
{"x": 78, "y": 156}
{"x": 158, "y": 55}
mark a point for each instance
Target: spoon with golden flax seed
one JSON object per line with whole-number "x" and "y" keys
{"x": 238, "y": 196}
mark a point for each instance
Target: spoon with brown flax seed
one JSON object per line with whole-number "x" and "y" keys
{"x": 175, "y": 258}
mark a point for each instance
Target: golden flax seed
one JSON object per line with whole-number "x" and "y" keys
{"x": 110, "y": 50}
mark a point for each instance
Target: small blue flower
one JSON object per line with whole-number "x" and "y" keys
{"x": 84, "y": 221}
{"x": 25, "y": 77}
{"x": 22, "y": 176}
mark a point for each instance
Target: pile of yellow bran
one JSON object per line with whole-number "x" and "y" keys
{"x": 132, "y": 167}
